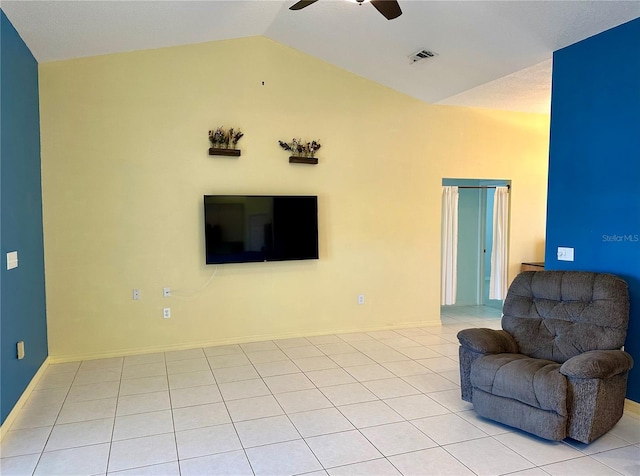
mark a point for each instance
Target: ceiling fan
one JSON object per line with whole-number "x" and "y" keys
{"x": 389, "y": 8}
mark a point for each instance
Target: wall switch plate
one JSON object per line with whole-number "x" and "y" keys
{"x": 12, "y": 259}
{"x": 136, "y": 294}
{"x": 166, "y": 292}
{"x": 166, "y": 312}
{"x": 360, "y": 298}
{"x": 565, "y": 254}
{"x": 20, "y": 350}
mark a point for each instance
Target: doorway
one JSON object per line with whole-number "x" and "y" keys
{"x": 475, "y": 240}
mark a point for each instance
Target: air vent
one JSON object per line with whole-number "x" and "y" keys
{"x": 422, "y": 55}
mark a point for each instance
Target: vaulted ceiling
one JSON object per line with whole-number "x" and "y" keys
{"x": 494, "y": 54}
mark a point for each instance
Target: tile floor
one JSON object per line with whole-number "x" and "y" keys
{"x": 374, "y": 403}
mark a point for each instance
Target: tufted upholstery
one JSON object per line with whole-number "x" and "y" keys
{"x": 557, "y": 315}
{"x": 556, "y": 368}
{"x": 535, "y": 382}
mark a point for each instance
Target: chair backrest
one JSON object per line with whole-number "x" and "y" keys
{"x": 556, "y": 315}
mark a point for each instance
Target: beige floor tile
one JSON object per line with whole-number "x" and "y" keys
{"x": 367, "y": 414}
{"x": 263, "y": 356}
{"x": 224, "y": 464}
{"x": 320, "y": 422}
{"x": 416, "y": 406}
{"x": 235, "y": 374}
{"x": 449, "y": 428}
{"x": 207, "y": 441}
{"x": 187, "y": 397}
{"x": 397, "y": 438}
{"x": 378, "y": 467}
{"x": 303, "y": 400}
{"x": 88, "y": 410}
{"x": 19, "y": 465}
{"x": 348, "y": 393}
{"x": 540, "y": 452}
{"x": 473, "y": 454}
{"x": 363, "y": 373}
{"x": 24, "y": 442}
{"x": 339, "y": 449}
{"x": 199, "y": 416}
{"x": 139, "y": 452}
{"x": 227, "y": 360}
{"x": 150, "y": 369}
{"x": 390, "y": 388}
{"x": 271, "y": 369}
{"x": 84, "y": 433}
{"x": 288, "y": 383}
{"x": 315, "y": 363}
{"x": 191, "y": 379}
{"x": 143, "y": 402}
{"x": 268, "y": 461}
{"x": 143, "y": 385}
{"x": 83, "y": 460}
{"x": 94, "y": 391}
{"x": 624, "y": 460}
{"x": 255, "y": 407}
{"x": 162, "y": 469}
{"x": 143, "y": 424}
{"x": 329, "y": 377}
{"x": 266, "y": 431}
{"x": 187, "y": 365}
{"x": 429, "y": 461}
{"x": 244, "y": 389}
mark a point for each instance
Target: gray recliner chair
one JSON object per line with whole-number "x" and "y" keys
{"x": 556, "y": 369}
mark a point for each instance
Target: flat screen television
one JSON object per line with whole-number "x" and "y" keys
{"x": 253, "y": 228}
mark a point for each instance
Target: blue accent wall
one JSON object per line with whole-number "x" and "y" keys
{"x": 594, "y": 165}
{"x": 23, "y": 314}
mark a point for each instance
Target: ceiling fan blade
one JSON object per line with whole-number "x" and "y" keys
{"x": 301, "y": 4}
{"x": 389, "y": 8}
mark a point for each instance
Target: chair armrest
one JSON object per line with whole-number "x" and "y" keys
{"x": 487, "y": 341}
{"x": 597, "y": 364}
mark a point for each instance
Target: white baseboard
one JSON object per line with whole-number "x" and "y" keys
{"x": 58, "y": 359}
{"x": 6, "y": 426}
{"x": 632, "y": 407}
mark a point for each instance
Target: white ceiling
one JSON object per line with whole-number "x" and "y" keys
{"x": 494, "y": 54}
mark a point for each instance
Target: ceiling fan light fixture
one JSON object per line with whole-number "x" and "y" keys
{"x": 388, "y": 8}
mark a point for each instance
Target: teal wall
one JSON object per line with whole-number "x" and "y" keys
{"x": 594, "y": 165}
{"x": 23, "y": 315}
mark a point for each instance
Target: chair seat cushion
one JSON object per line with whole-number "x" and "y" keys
{"x": 535, "y": 382}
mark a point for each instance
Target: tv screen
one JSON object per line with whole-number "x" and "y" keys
{"x": 251, "y": 228}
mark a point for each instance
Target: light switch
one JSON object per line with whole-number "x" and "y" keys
{"x": 565, "y": 254}
{"x": 12, "y": 259}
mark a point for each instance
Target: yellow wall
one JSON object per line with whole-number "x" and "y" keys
{"x": 125, "y": 166}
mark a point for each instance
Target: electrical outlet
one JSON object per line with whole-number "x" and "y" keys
{"x": 136, "y": 294}
{"x": 360, "y": 298}
{"x": 166, "y": 292}
{"x": 166, "y": 312}
{"x": 20, "y": 350}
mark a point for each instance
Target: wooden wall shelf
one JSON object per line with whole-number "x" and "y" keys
{"x": 225, "y": 152}
{"x": 303, "y": 160}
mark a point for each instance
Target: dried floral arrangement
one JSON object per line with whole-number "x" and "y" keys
{"x": 301, "y": 149}
{"x": 221, "y": 139}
